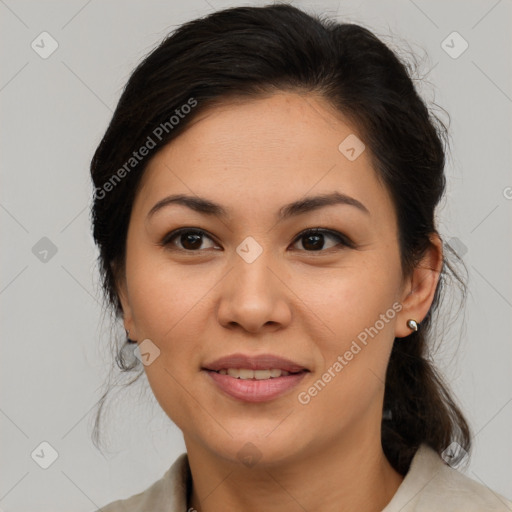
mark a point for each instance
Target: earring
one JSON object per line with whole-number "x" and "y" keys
{"x": 128, "y": 340}
{"x": 412, "y": 324}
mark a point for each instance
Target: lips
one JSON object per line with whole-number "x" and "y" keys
{"x": 259, "y": 362}
{"x": 254, "y": 379}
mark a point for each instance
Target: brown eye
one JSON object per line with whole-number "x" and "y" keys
{"x": 315, "y": 239}
{"x": 187, "y": 239}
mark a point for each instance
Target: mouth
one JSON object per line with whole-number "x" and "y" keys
{"x": 248, "y": 374}
{"x": 254, "y": 379}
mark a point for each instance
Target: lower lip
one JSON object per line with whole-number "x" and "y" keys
{"x": 251, "y": 390}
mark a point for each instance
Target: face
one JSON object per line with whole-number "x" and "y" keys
{"x": 254, "y": 284}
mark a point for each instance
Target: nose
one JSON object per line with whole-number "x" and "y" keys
{"x": 254, "y": 297}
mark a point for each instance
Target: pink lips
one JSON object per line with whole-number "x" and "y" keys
{"x": 255, "y": 390}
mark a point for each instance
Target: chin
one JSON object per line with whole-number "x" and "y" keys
{"x": 263, "y": 447}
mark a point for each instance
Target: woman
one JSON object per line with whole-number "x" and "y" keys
{"x": 264, "y": 210}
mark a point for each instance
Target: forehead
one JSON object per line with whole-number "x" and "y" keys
{"x": 265, "y": 150}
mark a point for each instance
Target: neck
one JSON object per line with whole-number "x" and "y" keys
{"x": 348, "y": 475}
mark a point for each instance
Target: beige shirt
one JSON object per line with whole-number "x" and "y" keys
{"x": 429, "y": 486}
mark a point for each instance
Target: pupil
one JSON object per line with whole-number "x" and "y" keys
{"x": 191, "y": 239}
{"x": 317, "y": 244}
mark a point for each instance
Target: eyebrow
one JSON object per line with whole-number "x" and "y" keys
{"x": 305, "y": 205}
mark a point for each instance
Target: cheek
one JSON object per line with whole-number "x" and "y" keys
{"x": 164, "y": 296}
{"x": 349, "y": 300}
{"x": 167, "y": 309}
{"x": 357, "y": 307}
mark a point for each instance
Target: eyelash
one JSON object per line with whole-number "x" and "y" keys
{"x": 343, "y": 240}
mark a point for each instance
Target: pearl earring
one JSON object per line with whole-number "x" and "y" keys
{"x": 412, "y": 324}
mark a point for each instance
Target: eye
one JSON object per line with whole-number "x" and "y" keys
{"x": 190, "y": 239}
{"x": 314, "y": 239}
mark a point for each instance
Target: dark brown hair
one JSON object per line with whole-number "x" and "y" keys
{"x": 254, "y": 51}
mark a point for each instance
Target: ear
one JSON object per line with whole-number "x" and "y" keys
{"x": 122, "y": 292}
{"x": 420, "y": 287}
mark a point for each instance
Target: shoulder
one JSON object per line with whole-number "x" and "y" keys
{"x": 431, "y": 484}
{"x": 167, "y": 494}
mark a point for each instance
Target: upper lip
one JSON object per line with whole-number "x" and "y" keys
{"x": 259, "y": 362}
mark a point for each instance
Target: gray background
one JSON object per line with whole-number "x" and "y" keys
{"x": 54, "y": 336}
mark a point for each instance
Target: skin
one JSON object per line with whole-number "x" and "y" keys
{"x": 253, "y": 157}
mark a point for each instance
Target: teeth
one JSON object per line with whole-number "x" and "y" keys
{"x": 261, "y": 374}
{"x": 246, "y": 374}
